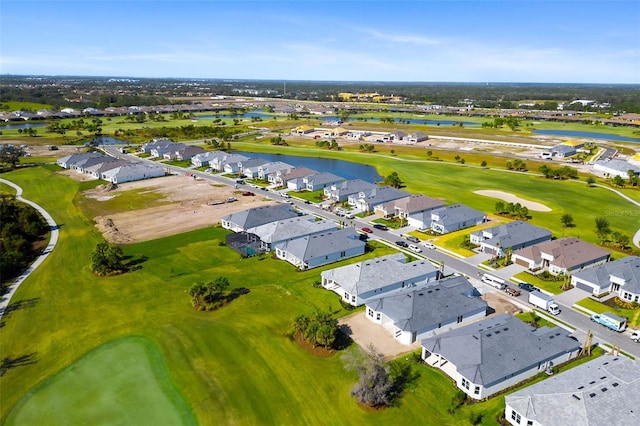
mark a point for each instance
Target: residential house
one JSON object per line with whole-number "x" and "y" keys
{"x": 243, "y": 220}
{"x": 603, "y": 391}
{"x": 268, "y": 171}
{"x": 455, "y": 217}
{"x": 621, "y": 277}
{"x": 415, "y": 313}
{"x": 132, "y": 172}
{"x": 203, "y": 159}
{"x": 367, "y": 200}
{"x": 512, "y": 235}
{"x": 397, "y": 136}
{"x": 341, "y": 191}
{"x": 615, "y": 167}
{"x": 282, "y": 177}
{"x": 69, "y": 160}
{"x": 219, "y": 163}
{"x": 183, "y": 153}
{"x": 241, "y": 166}
{"x": 359, "y": 282}
{"x": 416, "y": 137}
{"x": 321, "y": 249}
{"x": 303, "y": 130}
{"x": 495, "y": 353}
{"x": 320, "y": 180}
{"x": 561, "y": 256}
{"x": 82, "y": 166}
{"x": 563, "y": 151}
{"x": 280, "y": 231}
{"x": 165, "y": 147}
{"x": 96, "y": 170}
{"x": 335, "y": 132}
{"x": 402, "y": 208}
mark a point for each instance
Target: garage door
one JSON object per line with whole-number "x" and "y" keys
{"x": 583, "y": 286}
{"x": 522, "y": 262}
{"x": 488, "y": 250}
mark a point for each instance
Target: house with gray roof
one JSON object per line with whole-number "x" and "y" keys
{"x": 267, "y": 171}
{"x": 243, "y": 220}
{"x": 185, "y": 152}
{"x": 219, "y": 163}
{"x": 512, "y": 235}
{"x": 412, "y": 314}
{"x": 69, "y": 161}
{"x": 495, "y": 353}
{"x": 404, "y": 207}
{"x": 321, "y": 249}
{"x": 603, "y": 391}
{"x": 203, "y": 159}
{"x": 165, "y": 147}
{"x": 367, "y": 200}
{"x": 359, "y": 282}
{"x": 341, "y": 191}
{"x": 616, "y": 167}
{"x": 96, "y": 170}
{"x": 149, "y": 146}
{"x": 282, "y": 177}
{"x": 561, "y": 256}
{"x": 563, "y": 151}
{"x": 246, "y": 164}
{"x": 132, "y": 172}
{"x": 621, "y": 277}
{"x": 455, "y": 217}
{"x": 89, "y": 164}
{"x": 321, "y": 180}
{"x": 280, "y": 231}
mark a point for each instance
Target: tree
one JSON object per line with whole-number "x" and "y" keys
{"x": 620, "y": 240}
{"x": 107, "y": 259}
{"x": 500, "y": 207}
{"x": 197, "y": 292}
{"x": 483, "y": 164}
{"x": 602, "y": 228}
{"x": 429, "y": 154}
{"x": 319, "y": 328}
{"x": 393, "y": 180}
{"x": 618, "y": 181}
{"x": 375, "y": 386}
{"x": 566, "y": 220}
{"x": 591, "y": 181}
{"x": 10, "y": 155}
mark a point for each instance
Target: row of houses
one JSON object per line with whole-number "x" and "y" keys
{"x": 109, "y": 168}
{"x": 340, "y": 132}
{"x": 169, "y": 150}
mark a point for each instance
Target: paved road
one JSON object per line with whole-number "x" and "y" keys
{"x": 6, "y": 298}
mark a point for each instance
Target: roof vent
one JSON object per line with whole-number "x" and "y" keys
{"x": 592, "y": 383}
{"x": 489, "y": 334}
{"x": 604, "y": 389}
{"x": 420, "y": 294}
{"x": 581, "y": 387}
{"x": 592, "y": 395}
{"x": 576, "y": 397}
{"x": 614, "y": 384}
{"x": 506, "y": 329}
{"x": 603, "y": 377}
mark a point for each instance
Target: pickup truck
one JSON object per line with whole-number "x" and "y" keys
{"x": 611, "y": 321}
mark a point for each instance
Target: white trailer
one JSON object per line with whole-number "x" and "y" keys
{"x": 496, "y": 282}
{"x": 543, "y": 301}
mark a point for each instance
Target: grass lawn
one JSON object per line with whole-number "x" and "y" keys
{"x": 125, "y": 381}
{"x": 554, "y": 287}
{"x": 314, "y": 197}
{"x": 633, "y": 315}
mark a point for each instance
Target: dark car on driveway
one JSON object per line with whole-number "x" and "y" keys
{"x": 527, "y": 287}
{"x": 380, "y": 226}
{"x": 402, "y": 243}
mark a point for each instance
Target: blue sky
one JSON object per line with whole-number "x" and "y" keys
{"x": 560, "y": 41}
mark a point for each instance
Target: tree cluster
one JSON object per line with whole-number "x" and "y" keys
{"x": 603, "y": 231}
{"x": 20, "y": 226}
{"x": 375, "y": 385}
{"x": 564, "y": 172}
{"x": 499, "y": 122}
{"x": 518, "y": 165}
{"x": 393, "y": 180}
{"x": 10, "y": 155}
{"x": 512, "y": 209}
{"x": 318, "y": 329}
{"x": 333, "y": 144}
{"x": 107, "y": 259}
{"x": 209, "y": 296}
{"x": 367, "y": 148}
{"x": 278, "y": 140}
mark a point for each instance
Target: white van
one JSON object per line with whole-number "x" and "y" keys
{"x": 496, "y": 282}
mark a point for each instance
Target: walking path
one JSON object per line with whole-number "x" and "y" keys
{"x": 6, "y": 298}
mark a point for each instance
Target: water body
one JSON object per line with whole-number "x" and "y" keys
{"x": 403, "y": 120}
{"x": 591, "y": 135}
{"x": 22, "y": 126}
{"x": 107, "y": 140}
{"x": 245, "y": 115}
{"x": 341, "y": 168}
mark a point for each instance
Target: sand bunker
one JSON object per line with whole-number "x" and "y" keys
{"x": 510, "y": 198}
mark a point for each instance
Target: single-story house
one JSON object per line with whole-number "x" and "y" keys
{"x": 204, "y": 159}
{"x": 321, "y": 180}
{"x": 149, "y": 146}
{"x": 367, "y": 200}
{"x": 512, "y": 235}
{"x": 404, "y": 207}
{"x": 416, "y": 137}
{"x": 219, "y": 163}
{"x": 603, "y": 391}
{"x": 415, "y": 313}
{"x": 84, "y": 165}
{"x": 335, "y": 132}
{"x": 243, "y": 220}
{"x": 241, "y": 166}
{"x": 615, "y": 167}
{"x": 277, "y": 232}
{"x": 267, "y": 171}
{"x": 283, "y": 177}
{"x": 561, "y": 256}
{"x": 495, "y": 353}
{"x": 455, "y": 217}
{"x": 321, "y": 249}
{"x": 358, "y": 282}
{"x": 165, "y": 147}
{"x": 563, "y": 151}
{"x": 621, "y": 277}
{"x": 132, "y": 172}
{"x": 96, "y": 170}
{"x": 303, "y": 130}
{"x": 69, "y": 161}
{"x": 183, "y": 153}
{"x": 341, "y": 191}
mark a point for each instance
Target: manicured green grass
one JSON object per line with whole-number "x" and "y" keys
{"x": 632, "y": 315}
{"x": 554, "y": 287}
{"x": 20, "y": 105}
{"x": 122, "y": 382}
{"x": 314, "y": 197}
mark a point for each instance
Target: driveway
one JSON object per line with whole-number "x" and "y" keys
{"x": 571, "y": 297}
{"x": 365, "y": 332}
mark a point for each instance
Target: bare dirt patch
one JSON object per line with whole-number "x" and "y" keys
{"x": 500, "y": 303}
{"x": 192, "y": 204}
{"x": 511, "y": 198}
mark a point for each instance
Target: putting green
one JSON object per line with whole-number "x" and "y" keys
{"x": 122, "y": 382}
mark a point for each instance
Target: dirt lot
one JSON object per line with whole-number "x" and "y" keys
{"x": 193, "y": 204}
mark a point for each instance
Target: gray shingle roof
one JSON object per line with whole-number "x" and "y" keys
{"x": 603, "y": 391}
{"x": 627, "y": 269}
{"x": 366, "y": 276}
{"x": 322, "y": 178}
{"x": 513, "y": 234}
{"x": 260, "y": 215}
{"x": 291, "y": 228}
{"x": 442, "y": 301}
{"x": 456, "y": 213}
{"x": 314, "y": 246}
{"x": 354, "y": 186}
{"x": 492, "y": 350}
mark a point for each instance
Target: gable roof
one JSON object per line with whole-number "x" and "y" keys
{"x": 314, "y": 246}
{"x": 414, "y": 309}
{"x": 416, "y": 203}
{"x": 456, "y": 213}
{"x": 381, "y": 194}
{"x": 296, "y": 172}
{"x": 322, "y": 178}
{"x": 494, "y": 349}
{"x": 379, "y": 272}
{"x": 72, "y": 159}
{"x": 353, "y": 186}
{"x": 603, "y": 391}
{"x": 627, "y": 269}
{"x": 286, "y": 229}
{"x": 513, "y": 234}
{"x": 567, "y": 252}
{"x": 257, "y": 216}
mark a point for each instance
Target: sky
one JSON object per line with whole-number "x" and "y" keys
{"x": 561, "y": 41}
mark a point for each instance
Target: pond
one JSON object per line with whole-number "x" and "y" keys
{"x": 245, "y": 115}
{"x": 21, "y": 126}
{"x": 591, "y": 135}
{"x": 107, "y": 140}
{"x": 341, "y": 168}
{"x": 405, "y": 120}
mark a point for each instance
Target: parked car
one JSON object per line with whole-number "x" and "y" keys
{"x": 285, "y": 195}
{"x": 307, "y": 202}
{"x": 513, "y": 292}
{"x": 415, "y": 248}
{"x": 635, "y": 336}
{"x": 402, "y": 243}
{"x": 248, "y": 193}
{"x": 429, "y": 245}
{"x": 380, "y": 226}
{"x": 363, "y": 237}
{"x": 367, "y": 230}
{"x": 527, "y": 287}
{"x": 412, "y": 239}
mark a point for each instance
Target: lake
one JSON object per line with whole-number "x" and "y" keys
{"x": 21, "y": 126}
{"x": 591, "y": 135}
{"x": 341, "y": 168}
